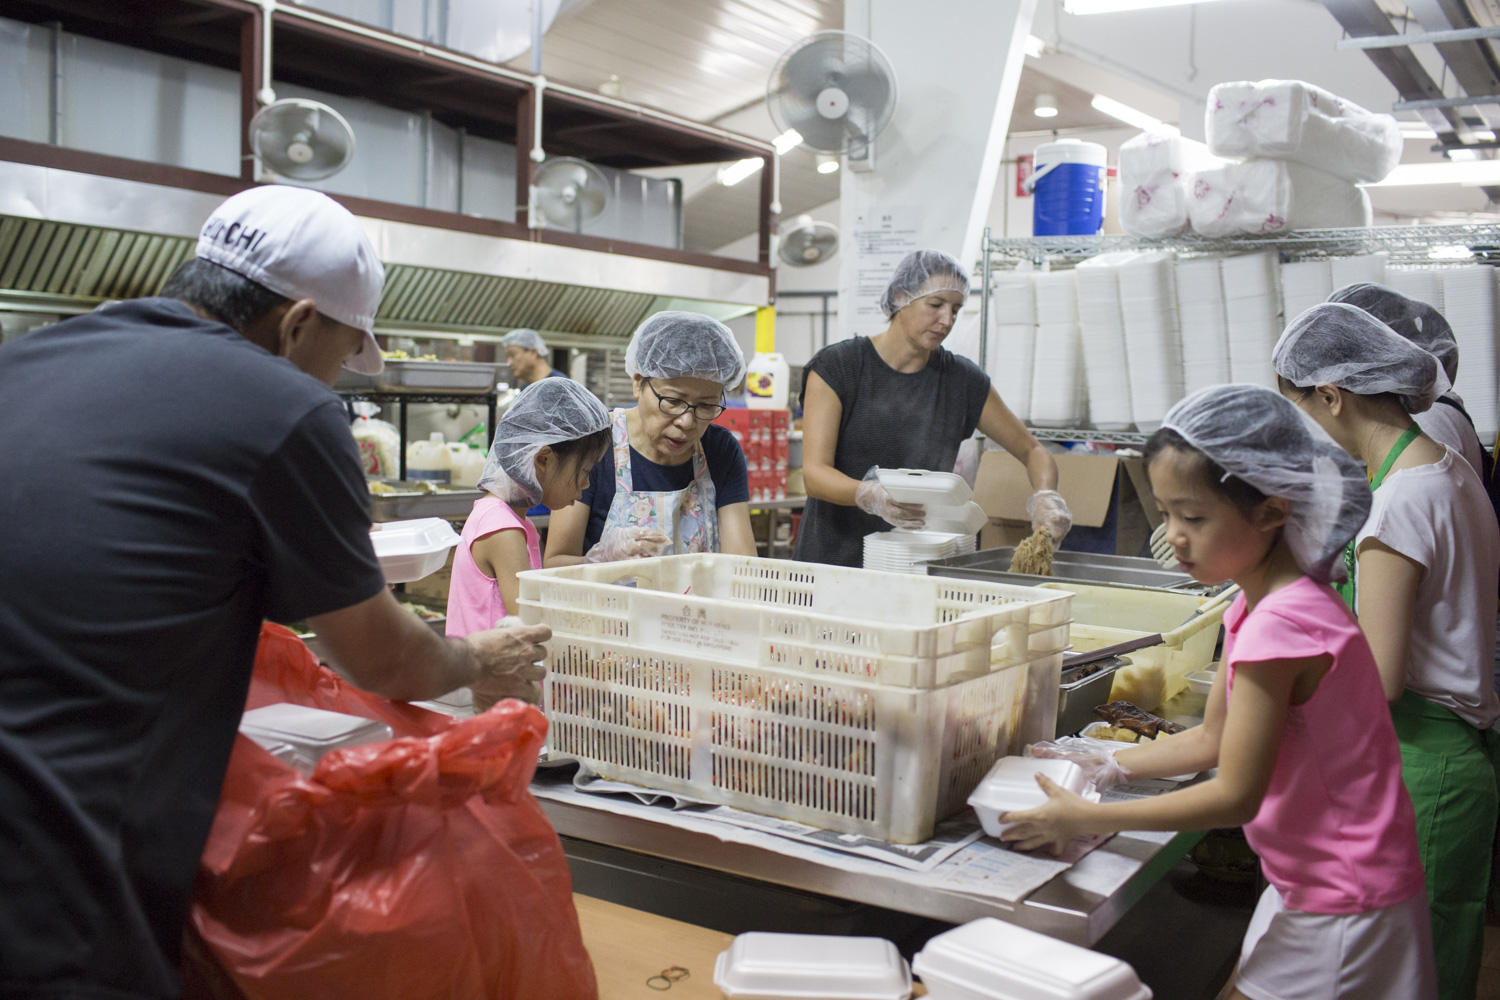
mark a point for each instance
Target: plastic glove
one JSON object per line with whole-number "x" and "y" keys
{"x": 632, "y": 542}
{"x": 1097, "y": 763}
{"x": 509, "y": 660}
{"x": 1161, "y": 549}
{"x": 1047, "y": 509}
{"x": 872, "y": 498}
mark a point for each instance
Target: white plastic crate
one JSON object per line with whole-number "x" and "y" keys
{"x": 896, "y": 629}
{"x": 809, "y": 733}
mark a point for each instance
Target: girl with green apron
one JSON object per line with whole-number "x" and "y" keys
{"x": 1422, "y": 579}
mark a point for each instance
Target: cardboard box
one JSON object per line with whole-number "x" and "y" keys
{"x": 1103, "y": 492}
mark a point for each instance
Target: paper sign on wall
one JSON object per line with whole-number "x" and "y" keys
{"x": 881, "y": 238}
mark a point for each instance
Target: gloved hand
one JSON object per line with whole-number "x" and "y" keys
{"x": 1161, "y": 549}
{"x": 872, "y": 498}
{"x": 1047, "y": 509}
{"x": 631, "y": 542}
{"x": 509, "y": 660}
{"x": 1098, "y": 764}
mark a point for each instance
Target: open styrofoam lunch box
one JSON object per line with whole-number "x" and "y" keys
{"x": 989, "y": 959}
{"x": 410, "y": 550}
{"x": 761, "y": 966}
{"x": 1011, "y": 786}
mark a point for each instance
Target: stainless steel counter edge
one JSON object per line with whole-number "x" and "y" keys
{"x": 1057, "y": 909}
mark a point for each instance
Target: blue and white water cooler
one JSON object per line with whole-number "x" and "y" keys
{"x": 1067, "y": 188}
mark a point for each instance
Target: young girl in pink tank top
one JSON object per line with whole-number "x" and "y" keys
{"x": 1296, "y": 723}
{"x": 545, "y": 446}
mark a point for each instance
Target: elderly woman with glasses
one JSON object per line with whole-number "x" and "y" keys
{"x": 674, "y": 481}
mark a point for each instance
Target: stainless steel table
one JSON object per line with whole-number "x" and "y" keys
{"x": 1079, "y": 905}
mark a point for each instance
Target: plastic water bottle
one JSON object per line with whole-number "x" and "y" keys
{"x": 767, "y": 382}
{"x": 429, "y": 460}
{"x": 1067, "y": 188}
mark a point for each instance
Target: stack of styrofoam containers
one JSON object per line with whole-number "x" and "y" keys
{"x": 1058, "y": 389}
{"x": 1101, "y": 324}
{"x": 1301, "y": 153}
{"x": 1357, "y": 270}
{"x": 1204, "y": 325}
{"x": 1425, "y": 284}
{"x": 953, "y": 520}
{"x": 1304, "y": 284}
{"x": 1252, "y": 307}
{"x": 1148, "y": 302}
{"x": 1469, "y": 306}
{"x": 1013, "y": 345}
{"x": 1156, "y": 170}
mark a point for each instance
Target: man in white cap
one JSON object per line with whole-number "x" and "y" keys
{"x": 170, "y": 476}
{"x": 526, "y": 353}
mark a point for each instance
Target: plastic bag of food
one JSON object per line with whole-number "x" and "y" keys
{"x": 416, "y": 868}
{"x": 379, "y": 443}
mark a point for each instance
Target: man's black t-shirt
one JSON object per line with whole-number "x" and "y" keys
{"x": 164, "y": 485}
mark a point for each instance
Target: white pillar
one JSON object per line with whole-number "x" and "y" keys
{"x": 957, "y": 65}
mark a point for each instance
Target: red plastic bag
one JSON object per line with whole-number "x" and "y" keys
{"x": 420, "y": 867}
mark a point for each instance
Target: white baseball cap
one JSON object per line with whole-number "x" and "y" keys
{"x": 301, "y": 244}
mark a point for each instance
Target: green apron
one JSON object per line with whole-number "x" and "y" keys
{"x": 1346, "y": 590}
{"x": 1449, "y": 770}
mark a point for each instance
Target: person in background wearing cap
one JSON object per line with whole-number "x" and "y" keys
{"x": 899, "y": 400}
{"x": 1424, "y": 573}
{"x": 526, "y": 353}
{"x": 1446, "y": 421}
{"x": 177, "y": 470}
{"x": 674, "y": 481}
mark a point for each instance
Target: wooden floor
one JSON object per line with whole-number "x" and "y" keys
{"x": 1489, "y": 973}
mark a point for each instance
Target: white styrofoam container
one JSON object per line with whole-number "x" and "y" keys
{"x": 936, "y": 489}
{"x": 853, "y": 700}
{"x": 410, "y": 550}
{"x": 1011, "y": 785}
{"x": 761, "y": 966}
{"x": 989, "y": 959}
{"x": 309, "y": 733}
{"x": 965, "y": 519}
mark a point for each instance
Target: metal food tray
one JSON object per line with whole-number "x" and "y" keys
{"x": 449, "y": 376}
{"x": 1076, "y": 700}
{"x": 993, "y": 565}
{"x": 411, "y": 501}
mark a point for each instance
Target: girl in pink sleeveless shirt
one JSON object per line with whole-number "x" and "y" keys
{"x": 546, "y": 445}
{"x": 1296, "y": 723}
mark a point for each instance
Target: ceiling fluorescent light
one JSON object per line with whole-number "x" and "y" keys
{"x": 1468, "y": 172}
{"x": 1115, "y": 6}
{"x": 740, "y": 169}
{"x": 828, "y": 166}
{"x": 1035, "y": 46}
{"x": 787, "y": 141}
{"x": 1416, "y": 130}
{"x": 1129, "y": 115}
{"x": 1046, "y": 106}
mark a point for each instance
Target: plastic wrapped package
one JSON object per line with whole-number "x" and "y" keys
{"x": 1260, "y": 197}
{"x": 1203, "y": 322}
{"x": 1292, "y": 120}
{"x": 1101, "y": 324}
{"x": 1156, "y": 171}
{"x": 379, "y": 443}
{"x": 1355, "y": 269}
{"x": 1013, "y": 298}
{"x": 416, "y": 868}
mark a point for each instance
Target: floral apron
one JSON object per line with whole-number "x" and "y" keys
{"x": 690, "y": 517}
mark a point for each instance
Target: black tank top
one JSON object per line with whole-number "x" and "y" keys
{"x": 896, "y": 420}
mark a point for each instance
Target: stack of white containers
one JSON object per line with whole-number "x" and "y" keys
{"x": 1304, "y": 284}
{"x": 1301, "y": 152}
{"x": 1203, "y": 322}
{"x": 1469, "y": 306}
{"x": 1012, "y": 346}
{"x": 953, "y": 519}
{"x": 1101, "y": 323}
{"x": 1253, "y": 308}
{"x": 1425, "y": 284}
{"x": 1149, "y": 304}
{"x": 1058, "y": 385}
{"x": 1358, "y": 269}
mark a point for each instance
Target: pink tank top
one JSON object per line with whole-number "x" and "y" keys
{"x": 474, "y": 601}
{"x": 1335, "y": 832}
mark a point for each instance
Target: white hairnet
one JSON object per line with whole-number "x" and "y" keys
{"x": 527, "y": 340}
{"x": 1417, "y": 321}
{"x": 685, "y": 345}
{"x": 1338, "y": 344}
{"x": 1264, "y": 439}
{"x": 923, "y": 272}
{"x": 550, "y": 411}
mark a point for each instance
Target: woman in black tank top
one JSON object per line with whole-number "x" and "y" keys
{"x": 900, "y": 400}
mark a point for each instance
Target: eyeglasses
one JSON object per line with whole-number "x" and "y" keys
{"x": 674, "y": 407}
